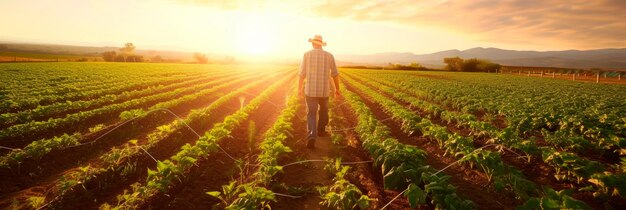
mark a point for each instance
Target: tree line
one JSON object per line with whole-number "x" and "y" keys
{"x": 127, "y": 54}
{"x": 470, "y": 65}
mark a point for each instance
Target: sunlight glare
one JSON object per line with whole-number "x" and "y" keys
{"x": 254, "y": 34}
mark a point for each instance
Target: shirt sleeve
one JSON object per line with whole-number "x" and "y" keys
{"x": 303, "y": 67}
{"x": 333, "y": 67}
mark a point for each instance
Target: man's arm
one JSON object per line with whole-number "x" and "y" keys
{"x": 336, "y": 80}
{"x": 302, "y": 75}
{"x": 300, "y": 86}
{"x": 334, "y": 73}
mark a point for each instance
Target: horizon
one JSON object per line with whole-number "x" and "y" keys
{"x": 271, "y": 29}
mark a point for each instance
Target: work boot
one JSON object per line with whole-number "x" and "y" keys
{"x": 310, "y": 144}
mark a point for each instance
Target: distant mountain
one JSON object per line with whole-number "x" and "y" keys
{"x": 601, "y": 58}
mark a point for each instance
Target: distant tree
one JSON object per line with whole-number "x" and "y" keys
{"x": 470, "y": 65}
{"x": 109, "y": 56}
{"x": 453, "y": 63}
{"x": 3, "y": 47}
{"x": 201, "y": 58}
{"x": 412, "y": 66}
{"x": 488, "y": 66}
{"x": 134, "y": 58}
{"x": 156, "y": 59}
{"x": 127, "y": 50}
{"x": 119, "y": 58}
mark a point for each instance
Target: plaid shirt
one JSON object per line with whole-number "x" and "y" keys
{"x": 317, "y": 67}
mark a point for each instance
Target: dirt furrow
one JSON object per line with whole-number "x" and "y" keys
{"x": 470, "y": 183}
{"x": 65, "y": 162}
{"x": 219, "y": 169}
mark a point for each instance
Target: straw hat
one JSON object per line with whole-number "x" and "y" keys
{"x": 317, "y": 39}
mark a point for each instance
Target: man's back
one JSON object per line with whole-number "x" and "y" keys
{"x": 317, "y": 67}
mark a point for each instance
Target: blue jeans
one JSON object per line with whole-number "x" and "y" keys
{"x": 312, "y": 104}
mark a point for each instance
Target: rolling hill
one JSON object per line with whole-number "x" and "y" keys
{"x": 601, "y": 58}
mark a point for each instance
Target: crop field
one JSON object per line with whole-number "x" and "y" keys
{"x": 184, "y": 136}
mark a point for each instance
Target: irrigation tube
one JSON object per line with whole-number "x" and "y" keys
{"x": 125, "y": 122}
{"x": 289, "y": 164}
{"x": 444, "y": 168}
{"x": 342, "y": 163}
{"x": 8, "y": 148}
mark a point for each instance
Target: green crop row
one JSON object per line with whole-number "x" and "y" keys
{"x": 254, "y": 194}
{"x": 568, "y": 166}
{"x": 577, "y": 110}
{"x": 28, "y": 89}
{"x": 38, "y": 149}
{"x": 9, "y": 119}
{"x": 403, "y": 167}
{"x": 168, "y": 171}
{"x": 502, "y": 175}
{"x": 119, "y": 160}
{"x": 36, "y": 128}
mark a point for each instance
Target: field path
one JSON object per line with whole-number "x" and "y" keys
{"x": 302, "y": 179}
{"x": 308, "y": 175}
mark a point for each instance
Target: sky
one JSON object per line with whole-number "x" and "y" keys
{"x": 281, "y": 28}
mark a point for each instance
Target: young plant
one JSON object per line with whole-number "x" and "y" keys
{"x": 36, "y": 201}
{"x": 252, "y": 130}
{"x": 342, "y": 194}
{"x": 553, "y": 200}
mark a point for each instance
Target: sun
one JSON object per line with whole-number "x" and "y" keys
{"x": 254, "y": 35}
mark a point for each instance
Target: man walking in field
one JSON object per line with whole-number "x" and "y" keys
{"x": 317, "y": 67}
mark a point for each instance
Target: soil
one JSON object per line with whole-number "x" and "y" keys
{"x": 302, "y": 179}
{"x": 216, "y": 171}
{"x": 58, "y": 161}
{"x": 37, "y": 178}
{"x": 64, "y": 162}
{"x": 82, "y": 127}
{"x": 471, "y": 184}
{"x": 535, "y": 170}
{"x": 199, "y": 79}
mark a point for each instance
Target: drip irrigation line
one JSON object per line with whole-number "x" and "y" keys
{"x": 394, "y": 198}
{"x": 115, "y": 128}
{"x": 462, "y": 159}
{"x": 288, "y": 196}
{"x": 289, "y": 164}
{"x": 194, "y": 131}
{"x": 342, "y": 163}
{"x": 8, "y": 148}
{"x": 444, "y": 168}
{"x": 155, "y": 160}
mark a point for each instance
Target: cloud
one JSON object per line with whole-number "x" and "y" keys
{"x": 572, "y": 23}
{"x": 560, "y": 23}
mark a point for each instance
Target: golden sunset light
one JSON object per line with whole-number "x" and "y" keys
{"x": 277, "y": 28}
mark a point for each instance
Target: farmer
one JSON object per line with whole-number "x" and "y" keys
{"x": 317, "y": 67}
